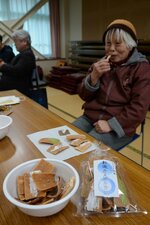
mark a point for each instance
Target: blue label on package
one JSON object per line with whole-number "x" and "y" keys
{"x": 105, "y": 179}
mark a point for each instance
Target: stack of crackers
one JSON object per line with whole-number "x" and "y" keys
{"x": 41, "y": 185}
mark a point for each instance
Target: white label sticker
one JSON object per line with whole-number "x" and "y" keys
{"x": 105, "y": 179}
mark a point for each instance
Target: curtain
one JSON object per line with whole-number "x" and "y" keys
{"x": 42, "y": 26}
{"x": 55, "y": 27}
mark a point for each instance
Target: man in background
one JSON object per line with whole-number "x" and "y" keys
{"x": 18, "y": 74}
{"x": 6, "y": 52}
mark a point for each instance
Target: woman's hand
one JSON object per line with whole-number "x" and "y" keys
{"x": 102, "y": 126}
{"x": 1, "y": 62}
{"x": 99, "y": 68}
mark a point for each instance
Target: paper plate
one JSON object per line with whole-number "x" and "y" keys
{"x": 9, "y": 100}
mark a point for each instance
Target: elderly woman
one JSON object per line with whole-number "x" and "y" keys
{"x": 18, "y": 74}
{"x": 116, "y": 91}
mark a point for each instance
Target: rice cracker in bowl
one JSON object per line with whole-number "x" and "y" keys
{"x": 62, "y": 174}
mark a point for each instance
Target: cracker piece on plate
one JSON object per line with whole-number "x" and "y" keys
{"x": 84, "y": 146}
{"x": 55, "y": 149}
{"x": 75, "y": 136}
{"x": 77, "y": 142}
{"x": 63, "y": 132}
{"x": 50, "y": 141}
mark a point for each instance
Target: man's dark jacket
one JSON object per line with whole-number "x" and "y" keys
{"x": 6, "y": 54}
{"x": 18, "y": 74}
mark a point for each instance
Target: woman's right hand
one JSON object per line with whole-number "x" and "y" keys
{"x": 99, "y": 68}
{"x": 1, "y": 62}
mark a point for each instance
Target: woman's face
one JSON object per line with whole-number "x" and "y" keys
{"x": 117, "y": 49}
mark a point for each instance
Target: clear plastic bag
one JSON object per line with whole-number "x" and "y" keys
{"x": 105, "y": 189}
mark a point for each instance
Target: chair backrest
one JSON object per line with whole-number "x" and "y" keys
{"x": 40, "y": 96}
{"x": 37, "y": 93}
{"x": 35, "y": 78}
{"x": 142, "y": 142}
{"x": 135, "y": 136}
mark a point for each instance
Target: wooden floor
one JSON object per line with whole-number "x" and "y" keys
{"x": 69, "y": 107}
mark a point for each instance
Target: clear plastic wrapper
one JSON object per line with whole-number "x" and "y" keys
{"x": 105, "y": 189}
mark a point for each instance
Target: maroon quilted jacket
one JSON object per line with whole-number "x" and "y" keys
{"x": 122, "y": 96}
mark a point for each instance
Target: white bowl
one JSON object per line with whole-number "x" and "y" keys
{"x": 5, "y": 122}
{"x": 63, "y": 169}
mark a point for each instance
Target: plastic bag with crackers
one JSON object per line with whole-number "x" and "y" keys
{"x": 104, "y": 188}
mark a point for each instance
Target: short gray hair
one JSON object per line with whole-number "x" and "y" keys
{"x": 22, "y": 35}
{"x": 121, "y": 35}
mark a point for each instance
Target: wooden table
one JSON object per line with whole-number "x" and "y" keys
{"x": 29, "y": 117}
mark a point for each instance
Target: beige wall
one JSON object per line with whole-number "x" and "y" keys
{"x": 97, "y": 14}
{"x": 70, "y": 22}
{"x": 46, "y": 65}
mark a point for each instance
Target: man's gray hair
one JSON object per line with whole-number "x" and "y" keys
{"x": 22, "y": 35}
{"x": 120, "y": 35}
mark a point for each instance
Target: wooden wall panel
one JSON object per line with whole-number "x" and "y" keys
{"x": 97, "y": 14}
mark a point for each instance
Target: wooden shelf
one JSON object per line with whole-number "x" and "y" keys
{"x": 83, "y": 53}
